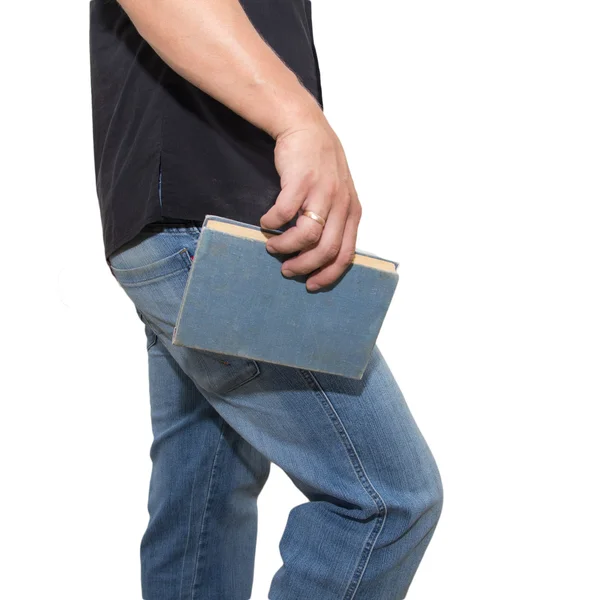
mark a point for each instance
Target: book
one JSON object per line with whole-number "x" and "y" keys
{"x": 238, "y": 303}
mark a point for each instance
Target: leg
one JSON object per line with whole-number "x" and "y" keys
{"x": 352, "y": 447}
{"x": 204, "y": 485}
{"x": 354, "y": 450}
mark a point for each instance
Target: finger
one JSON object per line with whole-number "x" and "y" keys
{"x": 304, "y": 235}
{"x": 327, "y": 248}
{"x": 307, "y": 231}
{"x": 332, "y": 271}
{"x": 288, "y": 202}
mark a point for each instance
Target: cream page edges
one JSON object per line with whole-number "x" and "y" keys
{"x": 262, "y": 236}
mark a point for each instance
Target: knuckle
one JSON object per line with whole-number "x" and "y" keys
{"x": 331, "y": 187}
{"x": 332, "y": 250}
{"x": 311, "y": 235}
{"x": 285, "y": 212}
{"x": 308, "y": 179}
{"x": 341, "y": 195}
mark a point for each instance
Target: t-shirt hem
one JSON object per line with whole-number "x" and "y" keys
{"x": 117, "y": 243}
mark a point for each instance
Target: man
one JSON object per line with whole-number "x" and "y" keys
{"x": 212, "y": 106}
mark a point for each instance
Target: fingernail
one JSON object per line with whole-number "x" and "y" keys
{"x": 271, "y": 249}
{"x": 312, "y": 287}
{"x": 287, "y": 273}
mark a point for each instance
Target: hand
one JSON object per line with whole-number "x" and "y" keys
{"x": 314, "y": 176}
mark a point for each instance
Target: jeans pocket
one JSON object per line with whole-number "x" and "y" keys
{"x": 221, "y": 373}
{"x": 153, "y": 272}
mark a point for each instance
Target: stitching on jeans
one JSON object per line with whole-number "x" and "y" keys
{"x": 206, "y": 509}
{"x": 154, "y": 279}
{"x": 170, "y": 230}
{"x": 188, "y": 532}
{"x": 250, "y": 378}
{"x": 358, "y": 467}
{"x": 184, "y": 252}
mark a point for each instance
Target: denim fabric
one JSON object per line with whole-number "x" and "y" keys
{"x": 373, "y": 489}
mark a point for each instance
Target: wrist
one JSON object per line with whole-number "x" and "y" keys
{"x": 293, "y": 109}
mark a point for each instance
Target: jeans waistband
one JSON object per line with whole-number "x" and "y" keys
{"x": 180, "y": 226}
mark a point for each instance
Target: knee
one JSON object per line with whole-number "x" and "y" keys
{"x": 428, "y": 496}
{"x": 433, "y": 490}
{"x": 433, "y": 497}
{"x": 417, "y": 505}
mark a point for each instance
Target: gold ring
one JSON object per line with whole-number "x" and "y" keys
{"x": 313, "y": 215}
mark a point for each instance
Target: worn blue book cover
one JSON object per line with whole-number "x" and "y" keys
{"x": 237, "y": 302}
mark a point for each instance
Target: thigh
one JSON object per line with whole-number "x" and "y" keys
{"x": 346, "y": 437}
{"x": 355, "y": 441}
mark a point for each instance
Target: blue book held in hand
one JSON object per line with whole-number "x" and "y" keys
{"x": 237, "y": 302}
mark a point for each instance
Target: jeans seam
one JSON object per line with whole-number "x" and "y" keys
{"x": 206, "y": 511}
{"x": 362, "y": 476}
{"x": 188, "y": 533}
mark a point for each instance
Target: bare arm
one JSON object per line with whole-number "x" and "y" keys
{"x": 213, "y": 44}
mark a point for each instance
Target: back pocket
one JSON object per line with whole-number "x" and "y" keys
{"x": 153, "y": 271}
{"x": 156, "y": 288}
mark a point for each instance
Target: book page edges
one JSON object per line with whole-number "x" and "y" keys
{"x": 263, "y": 236}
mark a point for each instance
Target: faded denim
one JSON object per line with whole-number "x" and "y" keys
{"x": 374, "y": 492}
{"x": 260, "y": 314}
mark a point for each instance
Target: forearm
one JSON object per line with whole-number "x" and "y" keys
{"x": 213, "y": 44}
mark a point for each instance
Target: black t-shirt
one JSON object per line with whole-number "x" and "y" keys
{"x": 164, "y": 149}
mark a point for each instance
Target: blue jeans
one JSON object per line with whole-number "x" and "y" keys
{"x": 374, "y": 493}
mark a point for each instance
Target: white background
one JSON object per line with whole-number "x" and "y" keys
{"x": 470, "y": 130}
